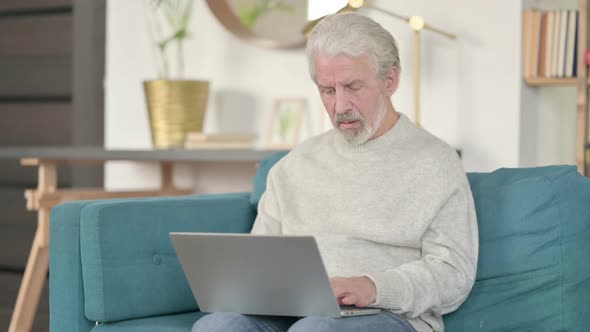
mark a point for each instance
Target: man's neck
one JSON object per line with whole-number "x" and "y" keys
{"x": 389, "y": 120}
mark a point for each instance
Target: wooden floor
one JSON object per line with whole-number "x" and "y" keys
{"x": 9, "y": 284}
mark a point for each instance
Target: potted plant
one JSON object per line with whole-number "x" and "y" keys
{"x": 176, "y": 105}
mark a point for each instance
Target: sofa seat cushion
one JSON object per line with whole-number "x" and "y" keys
{"x": 169, "y": 323}
{"x": 533, "y": 270}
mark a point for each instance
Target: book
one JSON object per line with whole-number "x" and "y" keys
{"x": 542, "y": 46}
{"x": 575, "y": 64}
{"x": 538, "y": 17}
{"x": 556, "y": 42}
{"x": 561, "y": 47}
{"x": 535, "y": 42}
{"x": 549, "y": 43}
{"x": 218, "y": 141}
{"x": 527, "y": 22}
{"x": 571, "y": 44}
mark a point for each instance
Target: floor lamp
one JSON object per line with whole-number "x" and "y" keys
{"x": 416, "y": 23}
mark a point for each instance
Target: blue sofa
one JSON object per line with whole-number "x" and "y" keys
{"x": 112, "y": 261}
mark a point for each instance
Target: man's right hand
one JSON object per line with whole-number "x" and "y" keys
{"x": 358, "y": 291}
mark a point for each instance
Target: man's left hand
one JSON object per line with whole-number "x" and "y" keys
{"x": 358, "y": 291}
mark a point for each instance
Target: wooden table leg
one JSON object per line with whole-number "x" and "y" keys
{"x": 38, "y": 262}
{"x": 167, "y": 175}
{"x": 33, "y": 280}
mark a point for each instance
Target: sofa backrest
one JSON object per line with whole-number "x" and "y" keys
{"x": 533, "y": 269}
{"x": 129, "y": 265}
{"x": 259, "y": 184}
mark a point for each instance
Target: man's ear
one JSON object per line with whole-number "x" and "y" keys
{"x": 391, "y": 81}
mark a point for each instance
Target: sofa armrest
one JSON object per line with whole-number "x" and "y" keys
{"x": 66, "y": 293}
{"x": 128, "y": 264}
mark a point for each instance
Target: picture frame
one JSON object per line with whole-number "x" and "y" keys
{"x": 285, "y": 123}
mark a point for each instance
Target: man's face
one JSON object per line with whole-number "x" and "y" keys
{"x": 352, "y": 94}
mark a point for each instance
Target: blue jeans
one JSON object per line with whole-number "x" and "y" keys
{"x": 232, "y": 322}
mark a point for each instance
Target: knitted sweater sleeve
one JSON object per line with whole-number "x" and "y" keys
{"x": 268, "y": 220}
{"x": 442, "y": 278}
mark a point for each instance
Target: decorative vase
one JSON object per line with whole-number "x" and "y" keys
{"x": 175, "y": 107}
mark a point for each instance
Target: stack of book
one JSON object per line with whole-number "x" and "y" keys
{"x": 218, "y": 141}
{"x": 550, "y": 42}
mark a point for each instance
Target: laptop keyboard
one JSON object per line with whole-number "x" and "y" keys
{"x": 348, "y": 309}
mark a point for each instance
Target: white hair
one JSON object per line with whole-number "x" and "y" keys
{"x": 353, "y": 35}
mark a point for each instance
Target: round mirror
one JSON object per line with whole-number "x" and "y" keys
{"x": 267, "y": 23}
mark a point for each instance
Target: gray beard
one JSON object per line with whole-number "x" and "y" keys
{"x": 361, "y": 135}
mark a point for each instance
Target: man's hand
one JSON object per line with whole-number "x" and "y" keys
{"x": 358, "y": 291}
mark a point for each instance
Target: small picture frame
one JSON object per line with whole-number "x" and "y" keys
{"x": 286, "y": 119}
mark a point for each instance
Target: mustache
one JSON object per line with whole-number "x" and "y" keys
{"x": 348, "y": 116}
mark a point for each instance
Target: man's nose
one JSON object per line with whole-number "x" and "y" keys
{"x": 342, "y": 103}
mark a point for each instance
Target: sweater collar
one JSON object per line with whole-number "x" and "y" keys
{"x": 395, "y": 135}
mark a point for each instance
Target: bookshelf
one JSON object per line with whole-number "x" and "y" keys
{"x": 542, "y": 74}
{"x": 546, "y": 81}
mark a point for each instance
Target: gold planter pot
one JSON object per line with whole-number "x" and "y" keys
{"x": 175, "y": 107}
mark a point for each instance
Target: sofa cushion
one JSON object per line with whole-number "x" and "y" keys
{"x": 533, "y": 270}
{"x": 129, "y": 265}
{"x": 259, "y": 185}
{"x": 168, "y": 323}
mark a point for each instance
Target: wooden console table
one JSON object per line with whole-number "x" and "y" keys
{"x": 47, "y": 195}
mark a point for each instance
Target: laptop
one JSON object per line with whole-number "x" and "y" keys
{"x": 259, "y": 275}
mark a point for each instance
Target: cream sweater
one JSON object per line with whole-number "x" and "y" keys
{"x": 397, "y": 209}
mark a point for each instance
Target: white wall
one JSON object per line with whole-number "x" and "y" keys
{"x": 548, "y": 114}
{"x": 470, "y": 87}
